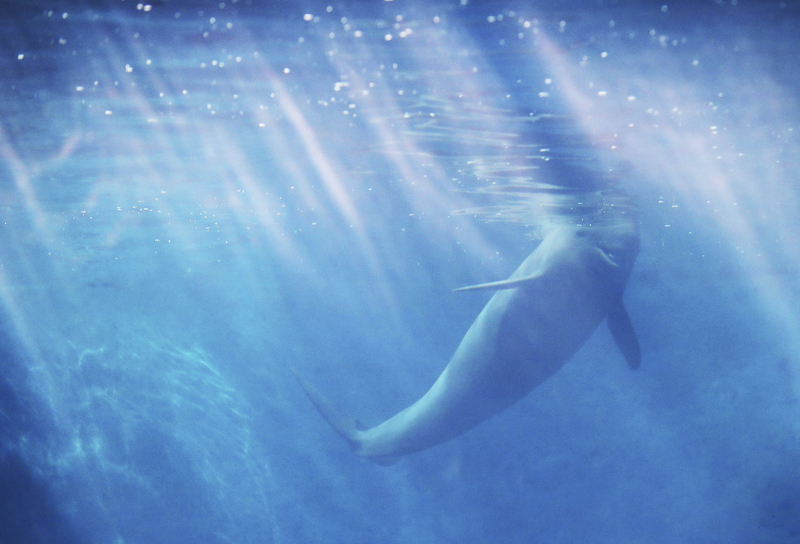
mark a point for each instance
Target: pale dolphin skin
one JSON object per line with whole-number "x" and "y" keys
{"x": 533, "y": 324}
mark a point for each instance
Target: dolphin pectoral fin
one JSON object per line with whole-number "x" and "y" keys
{"x": 346, "y": 426}
{"x": 498, "y": 285}
{"x": 619, "y": 323}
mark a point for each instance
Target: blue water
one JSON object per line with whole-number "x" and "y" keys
{"x": 196, "y": 197}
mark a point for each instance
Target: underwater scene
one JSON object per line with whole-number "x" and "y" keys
{"x": 450, "y": 271}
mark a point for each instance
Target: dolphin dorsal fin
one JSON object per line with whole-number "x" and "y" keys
{"x": 619, "y": 323}
{"x": 511, "y": 283}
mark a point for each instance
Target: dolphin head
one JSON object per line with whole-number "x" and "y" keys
{"x": 612, "y": 250}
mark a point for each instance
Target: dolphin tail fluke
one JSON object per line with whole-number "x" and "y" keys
{"x": 343, "y": 424}
{"x": 619, "y": 323}
{"x": 348, "y": 427}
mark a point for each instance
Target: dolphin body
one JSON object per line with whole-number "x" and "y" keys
{"x": 533, "y": 324}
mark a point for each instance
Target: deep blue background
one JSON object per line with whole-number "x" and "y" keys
{"x": 197, "y": 197}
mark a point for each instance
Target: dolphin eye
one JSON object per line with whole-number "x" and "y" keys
{"x": 607, "y": 256}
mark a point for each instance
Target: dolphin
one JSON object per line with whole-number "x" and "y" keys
{"x": 534, "y": 323}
